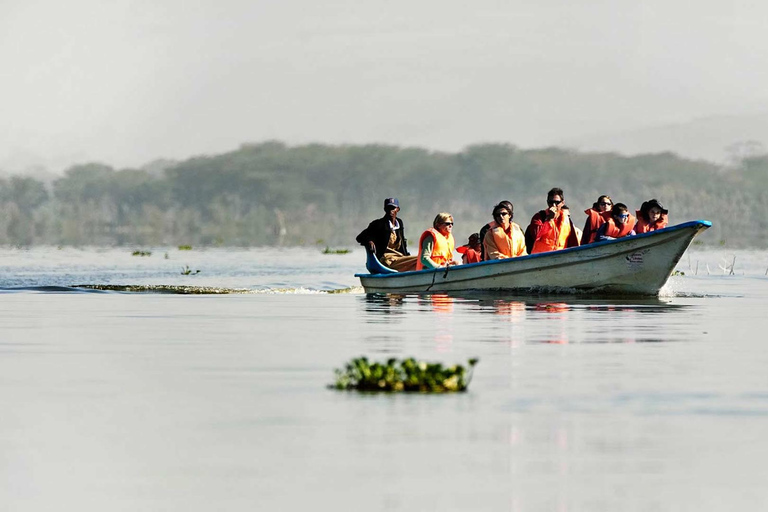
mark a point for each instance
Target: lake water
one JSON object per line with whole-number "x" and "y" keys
{"x": 115, "y": 401}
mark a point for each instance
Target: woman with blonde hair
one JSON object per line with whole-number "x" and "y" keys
{"x": 436, "y": 244}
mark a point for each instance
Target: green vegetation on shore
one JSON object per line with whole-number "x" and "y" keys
{"x": 272, "y": 194}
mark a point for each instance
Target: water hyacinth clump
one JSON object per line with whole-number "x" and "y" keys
{"x": 405, "y": 375}
{"x": 328, "y": 250}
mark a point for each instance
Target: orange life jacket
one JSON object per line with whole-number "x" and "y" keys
{"x": 468, "y": 254}
{"x": 613, "y": 230}
{"x": 556, "y": 237}
{"x": 595, "y": 220}
{"x": 508, "y": 245}
{"x": 644, "y": 227}
{"x": 442, "y": 248}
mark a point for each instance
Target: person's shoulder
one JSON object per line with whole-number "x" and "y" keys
{"x": 380, "y": 221}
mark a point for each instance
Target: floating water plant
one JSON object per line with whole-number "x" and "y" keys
{"x": 186, "y": 271}
{"x": 328, "y": 250}
{"x": 141, "y": 253}
{"x": 405, "y": 375}
{"x": 163, "y": 288}
{"x": 185, "y": 247}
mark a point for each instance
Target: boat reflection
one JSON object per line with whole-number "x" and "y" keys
{"x": 511, "y": 309}
{"x": 533, "y": 319}
{"x": 440, "y": 302}
{"x": 383, "y": 304}
{"x": 557, "y": 322}
{"x": 443, "y": 330}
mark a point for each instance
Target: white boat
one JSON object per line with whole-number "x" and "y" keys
{"x": 637, "y": 265}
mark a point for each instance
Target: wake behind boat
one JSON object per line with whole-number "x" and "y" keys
{"x": 637, "y": 265}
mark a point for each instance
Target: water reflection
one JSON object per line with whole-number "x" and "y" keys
{"x": 442, "y": 306}
{"x": 441, "y": 303}
{"x": 546, "y": 319}
{"x": 382, "y": 304}
{"x": 557, "y": 321}
{"x": 513, "y": 310}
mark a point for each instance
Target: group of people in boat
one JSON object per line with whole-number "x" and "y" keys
{"x": 550, "y": 229}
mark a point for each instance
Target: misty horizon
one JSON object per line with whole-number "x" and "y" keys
{"x": 131, "y": 82}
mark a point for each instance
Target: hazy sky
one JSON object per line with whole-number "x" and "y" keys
{"x": 126, "y": 82}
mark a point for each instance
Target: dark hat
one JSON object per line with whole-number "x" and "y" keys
{"x": 391, "y": 201}
{"x": 653, "y": 202}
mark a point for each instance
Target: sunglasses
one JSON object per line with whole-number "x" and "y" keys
{"x": 504, "y": 214}
{"x": 605, "y": 204}
{"x": 623, "y": 216}
{"x": 551, "y": 202}
{"x": 447, "y": 223}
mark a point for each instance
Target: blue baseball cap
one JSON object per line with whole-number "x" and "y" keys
{"x": 391, "y": 201}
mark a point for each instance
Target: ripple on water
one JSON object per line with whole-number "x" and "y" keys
{"x": 195, "y": 290}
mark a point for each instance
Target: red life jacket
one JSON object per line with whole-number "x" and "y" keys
{"x": 644, "y": 227}
{"x": 613, "y": 230}
{"x": 595, "y": 219}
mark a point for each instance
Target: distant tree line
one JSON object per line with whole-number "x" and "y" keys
{"x": 273, "y": 194}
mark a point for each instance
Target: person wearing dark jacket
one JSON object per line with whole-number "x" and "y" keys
{"x": 386, "y": 238}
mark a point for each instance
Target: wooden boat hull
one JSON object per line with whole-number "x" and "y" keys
{"x": 636, "y": 265}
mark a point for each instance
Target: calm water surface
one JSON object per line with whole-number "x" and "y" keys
{"x": 156, "y": 402}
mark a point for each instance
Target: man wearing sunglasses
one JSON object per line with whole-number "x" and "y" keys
{"x": 551, "y": 229}
{"x": 504, "y": 238}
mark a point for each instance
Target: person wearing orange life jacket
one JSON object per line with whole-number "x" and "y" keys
{"x": 651, "y": 216}
{"x": 472, "y": 252}
{"x": 485, "y": 228}
{"x": 550, "y": 229}
{"x": 579, "y": 233}
{"x": 596, "y": 217}
{"x": 504, "y": 238}
{"x": 620, "y": 224}
{"x": 436, "y": 244}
